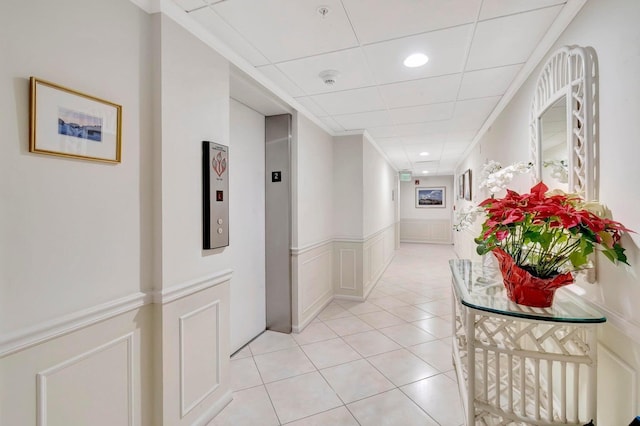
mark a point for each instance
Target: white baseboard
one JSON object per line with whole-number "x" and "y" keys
{"x": 349, "y": 297}
{"x": 297, "y": 328}
{"x": 214, "y": 410}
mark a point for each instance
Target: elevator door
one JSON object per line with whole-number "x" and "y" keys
{"x": 278, "y": 222}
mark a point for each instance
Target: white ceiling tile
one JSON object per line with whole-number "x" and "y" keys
{"x": 312, "y": 107}
{"x": 285, "y": 29}
{"x": 375, "y": 20}
{"x": 471, "y": 114}
{"x": 398, "y": 157}
{"x": 280, "y": 79}
{"x": 495, "y": 8}
{"x": 418, "y": 92}
{"x": 429, "y": 138}
{"x": 388, "y": 142}
{"x": 332, "y": 124}
{"x": 446, "y": 50}
{"x": 188, "y": 5}
{"x": 423, "y": 113}
{"x": 488, "y": 82}
{"x": 509, "y": 40}
{"x": 218, "y": 27}
{"x": 383, "y": 132}
{"x": 350, "y": 64}
{"x": 460, "y": 137}
{"x": 434, "y": 150}
{"x": 364, "y": 120}
{"x": 350, "y": 101}
{"x": 436, "y": 108}
{"x": 422, "y": 129}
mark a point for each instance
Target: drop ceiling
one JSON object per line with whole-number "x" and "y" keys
{"x": 476, "y": 49}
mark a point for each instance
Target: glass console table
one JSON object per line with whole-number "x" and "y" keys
{"x": 518, "y": 365}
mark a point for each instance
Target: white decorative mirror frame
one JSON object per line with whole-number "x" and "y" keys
{"x": 570, "y": 72}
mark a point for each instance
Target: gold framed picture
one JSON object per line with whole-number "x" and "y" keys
{"x": 71, "y": 124}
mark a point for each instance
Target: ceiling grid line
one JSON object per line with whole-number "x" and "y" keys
{"x": 478, "y": 51}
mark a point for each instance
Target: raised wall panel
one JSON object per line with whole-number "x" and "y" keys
{"x": 617, "y": 389}
{"x": 195, "y": 356}
{"x": 377, "y": 257}
{"x": 348, "y": 269}
{"x": 75, "y": 391}
{"x": 316, "y": 279}
{"x": 199, "y": 355}
{"x": 426, "y": 230}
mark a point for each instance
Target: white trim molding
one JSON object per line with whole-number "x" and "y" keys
{"x": 47, "y": 330}
{"x": 56, "y": 327}
{"x": 41, "y": 378}
{"x": 297, "y": 251}
{"x": 186, "y": 288}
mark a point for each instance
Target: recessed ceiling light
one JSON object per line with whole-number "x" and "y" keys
{"x": 424, "y": 153}
{"x": 425, "y": 171}
{"x": 415, "y": 60}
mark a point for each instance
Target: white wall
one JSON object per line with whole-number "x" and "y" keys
{"x": 427, "y": 225}
{"x": 75, "y": 243}
{"x": 610, "y": 28}
{"x": 347, "y": 186}
{"x": 247, "y": 233}
{"x": 314, "y": 182}
{"x": 194, "y": 340}
{"x": 408, "y": 208}
{"x": 379, "y": 180}
{"x": 71, "y": 230}
{"x": 195, "y": 108}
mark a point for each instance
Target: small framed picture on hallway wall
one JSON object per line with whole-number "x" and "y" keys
{"x": 71, "y": 124}
{"x": 467, "y": 185}
{"x": 431, "y": 197}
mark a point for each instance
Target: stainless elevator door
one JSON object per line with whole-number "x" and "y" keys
{"x": 278, "y": 222}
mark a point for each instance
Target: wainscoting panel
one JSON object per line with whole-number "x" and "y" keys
{"x": 312, "y": 280}
{"x": 195, "y": 361}
{"x": 316, "y": 279}
{"x": 435, "y": 231}
{"x": 347, "y": 277}
{"x": 94, "y": 388}
{"x": 199, "y": 355}
{"x": 378, "y": 253}
{"x": 374, "y": 252}
{"x": 347, "y": 269}
{"x": 617, "y": 389}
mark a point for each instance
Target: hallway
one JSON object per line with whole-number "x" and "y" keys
{"x": 386, "y": 361}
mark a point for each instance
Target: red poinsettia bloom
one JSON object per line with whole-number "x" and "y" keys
{"x": 547, "y": 234}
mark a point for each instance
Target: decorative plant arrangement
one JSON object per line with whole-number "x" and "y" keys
{"x": 540, "y": 237}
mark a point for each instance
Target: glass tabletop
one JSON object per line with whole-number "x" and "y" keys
{"x": 481, "y": 288}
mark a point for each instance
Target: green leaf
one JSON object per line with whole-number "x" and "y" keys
{"x": 611, "y": 254}
{"x": 482, "y": 249}
{"x": 578, "y": 258}
{"x": 620, "y": 253}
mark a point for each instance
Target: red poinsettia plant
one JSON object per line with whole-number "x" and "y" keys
{"x": 548, "y": 234}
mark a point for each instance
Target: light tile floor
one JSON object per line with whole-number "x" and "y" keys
{"x": 386, "y": 361}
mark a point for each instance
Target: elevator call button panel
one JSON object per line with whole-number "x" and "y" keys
{"x": 215, "y": 195}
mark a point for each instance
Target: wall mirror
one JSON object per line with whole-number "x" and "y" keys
{"x": 554, "y": 149}
{"x": 563, "y": 122}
